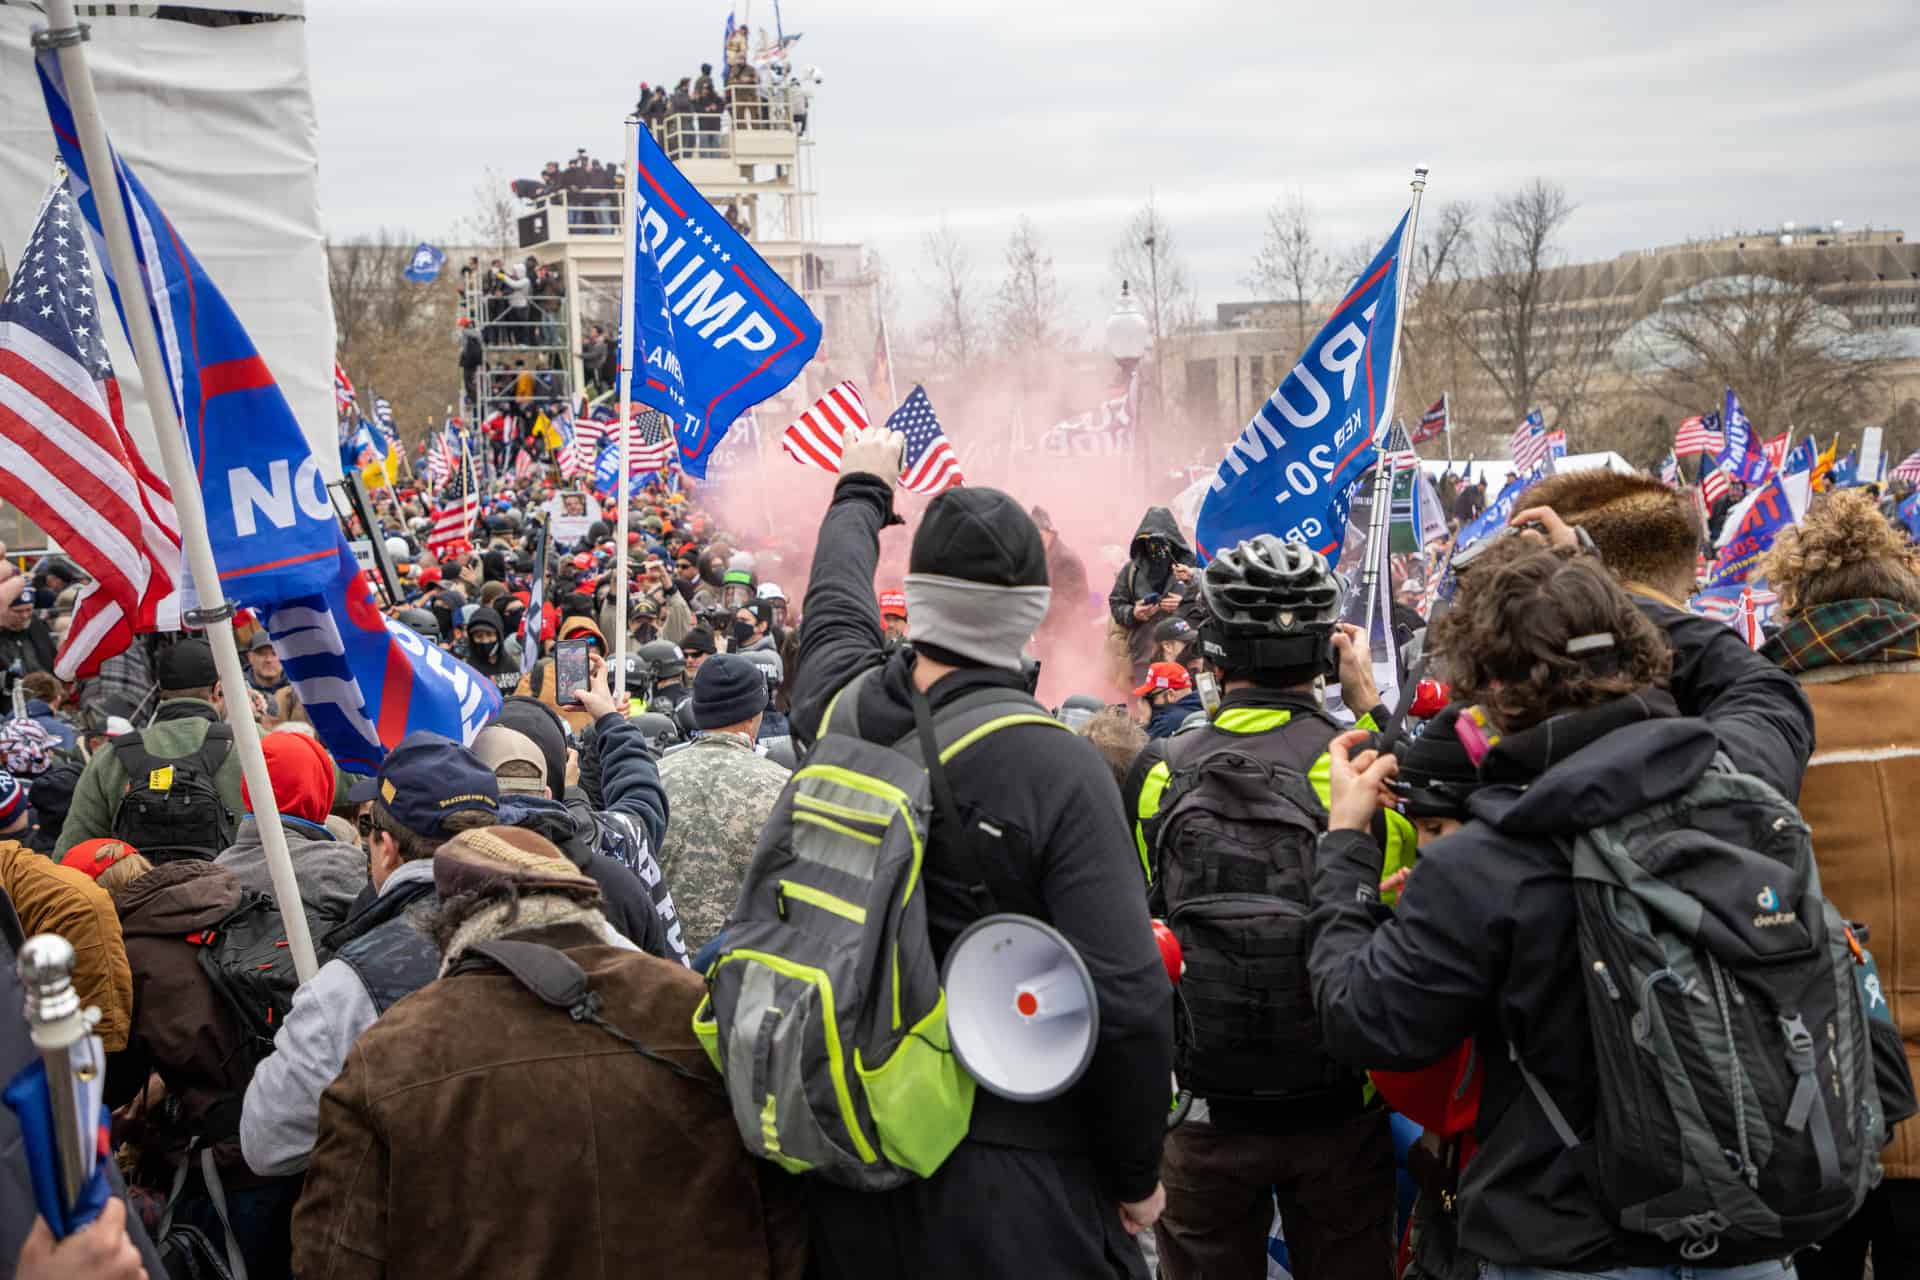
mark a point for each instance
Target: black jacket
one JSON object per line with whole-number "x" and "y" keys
{"x": 500, "y": 668}
{"x": 625, "y": 901}
{"x": 1482, "y": 945}
{"x": 1141, "y": 577}
{"x": 32, "y": 647}
{"x": 1064, "y": 855}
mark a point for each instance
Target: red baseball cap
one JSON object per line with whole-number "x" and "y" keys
{"x": 893, "y": 602}
{"x": 1164, "y": 676}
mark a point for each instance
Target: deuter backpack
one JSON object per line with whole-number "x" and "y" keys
{"x": 825, "y": 1012}
{"x": 1737, "y": 1117}
{"x": 247, "y": 959}
{"x": 172, "y": 808}
{"x": 1234, "y": 844}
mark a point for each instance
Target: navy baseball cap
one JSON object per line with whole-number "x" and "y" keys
{"x": 427, "y": 779}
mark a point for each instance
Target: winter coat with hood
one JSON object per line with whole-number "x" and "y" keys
{"x": 493, "y": 662}
{"x": 1481, "y": 945}
{"x": 182, "y": 1028}
{"x": 50, "y": 898}
{"x": 331, "y": 873}
{"x": 1143, "y": 575}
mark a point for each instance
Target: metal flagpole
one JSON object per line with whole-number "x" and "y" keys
{"x": 1382, "y": 472}
{"x": 1446, "y": 422}
{"x": 66, "y": 38}
{"x": 630, "y": 200}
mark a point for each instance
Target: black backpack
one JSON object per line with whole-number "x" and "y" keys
{"x": 172, "y": 808}
{"x": 1234, "y": 844}
{"x": 247, "y": 958}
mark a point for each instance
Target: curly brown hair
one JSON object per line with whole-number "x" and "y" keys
{"x": 1504, "y": 642}
{"x": 1844, "y": 550}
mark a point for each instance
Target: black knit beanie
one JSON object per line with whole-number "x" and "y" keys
{"x": 980, "y": 535}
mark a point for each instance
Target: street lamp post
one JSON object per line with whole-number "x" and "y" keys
{"x": 1127, "y": 338}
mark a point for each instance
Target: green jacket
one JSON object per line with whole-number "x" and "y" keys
{"x": 179, "y": 727}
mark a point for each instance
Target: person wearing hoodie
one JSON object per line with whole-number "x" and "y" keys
{"x": 1053, "y": 1188}
{"x": 186, "y": 1032}
{"x": 539, "y": 683}
{"x": 488, "y": 650}
{"x": 1481, "y": 943}
{"x": 1158, "y": 582}
{"x": 614, "y": 843}
{"x": 331, "y": 873}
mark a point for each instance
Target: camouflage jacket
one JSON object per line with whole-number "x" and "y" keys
{"x": 720, "y": 793}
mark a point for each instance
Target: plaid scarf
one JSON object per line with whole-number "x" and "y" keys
{"x": 1846, "y": 632}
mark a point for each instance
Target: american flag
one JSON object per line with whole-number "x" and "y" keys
{"x": 813, "y": 439}
{"x": 654, "y": 445}
{"x": 443, "y": 455}
{"x": 930, "y": 463}
{"x": 383, "y": 417}
{"x": 523, "y": 465}
{"x": 453, "y": 521}
{"x": 66, "y": 459}
{"x": 566, "y": 456}
{"x": 1530, "y": 443}
{"x": 588, "y": 436}
{"x": 1713, "y": 483}
{"x": 343, "y": 397}
{"x": 1699, "y": 434}
{"x": 1434, "y": 422}
{"x": 1910, "y": 469}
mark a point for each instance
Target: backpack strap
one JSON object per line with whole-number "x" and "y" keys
{"x": 213, "y": 749}
{"x": 850, "y": 718}
{"x": 1555, "y": 1116}
{"x": 555, "y": 980}
{"x": 130, "y": 749}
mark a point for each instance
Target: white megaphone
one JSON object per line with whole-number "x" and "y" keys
{"x": 1021, "y": 1012}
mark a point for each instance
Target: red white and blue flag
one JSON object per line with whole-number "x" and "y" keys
{"x": 814, "y": 439}
{"x": 1530, "y": 443}
{"x": 1435, "y": 422}
{"x": 364, "y": 681}
{"x": 1699, "y": 434}
{"x": 343, "y": 395}
{"x": 1909, "y": 470}
{"x": 929, "y": 463}
{"x": 66, "y": 459}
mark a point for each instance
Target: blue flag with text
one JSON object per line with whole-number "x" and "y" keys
{"x": 1292, "y": 471}
{"x": 1769, "y": 514}
{"x": 364, "y": 681}
{"x": 715, "y": 329}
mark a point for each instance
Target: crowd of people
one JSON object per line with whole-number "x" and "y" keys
{"x": 1560, "y": 966}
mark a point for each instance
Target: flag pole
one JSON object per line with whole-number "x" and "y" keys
{"x": 1383, "y": 473}
{"x": 630, "y": 201}
{"x": 886, "y": 345}
{"x": 1446, "y": 419}
{"x": 66, "y": 38}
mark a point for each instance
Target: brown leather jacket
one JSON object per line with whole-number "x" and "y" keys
{"x": 476, "y": 1131}
{"x": 50, "y": 898}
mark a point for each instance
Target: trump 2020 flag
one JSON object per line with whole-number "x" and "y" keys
{"x": 1291, "y": 472}
{"x": 424, "y": 266}
{"x": 715, "y": 329}
{"x": 1740, "y": 454}
{"x": 1766, "y": 516}
{"x": 269, "y": 519}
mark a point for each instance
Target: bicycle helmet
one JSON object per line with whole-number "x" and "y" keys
{"x": 1272, "y": 607}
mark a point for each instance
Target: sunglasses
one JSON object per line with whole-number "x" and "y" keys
{"x": 365, "y": 823}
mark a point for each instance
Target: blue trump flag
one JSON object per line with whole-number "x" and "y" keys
{"x": 424, "y": 266}
{"x": 365, "y": 683}
{"x": 1803, "y": 458}
{"x": 269, "y": 519}
{"x": 1740, "y": 453}
{"x": 1292, "y": 471}
{"x": 1909, "y": 510}
{"x": 715, "y": 329}
{"x": 1769, "y": 514}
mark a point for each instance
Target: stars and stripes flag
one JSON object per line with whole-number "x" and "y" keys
{"x": 343, "y": 394}
{"x": 814, "y": 438}
{"x": 929, "y": 464}
{"x": 453, "y": 520}
{"x": 564, "y": 454}
{"x": 1699, "y": 434}
{"x": 66, "y": 459}
{"x": 1436, "y": 421}
{"x": 1529, "y": 443}
{"x": 523, "y": 465}
{"x": 1714, "y": 482}
{"x": 443, "y": 455}
{"x": 588, "y": 435}
{"x": 653, "y": 447}
{"x": 1909, "y": 470}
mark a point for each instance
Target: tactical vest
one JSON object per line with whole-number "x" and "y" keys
{"x": 389, "y": 955}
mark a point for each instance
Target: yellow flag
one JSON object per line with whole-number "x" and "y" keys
{"x": 1823, "y": 465}
{"x": 381, "y": 475}
{"x": 546, "y": 432}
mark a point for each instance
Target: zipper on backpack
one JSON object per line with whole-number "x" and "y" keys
{"x": 1606, "y": 978}
{"x": 820, "y": 899}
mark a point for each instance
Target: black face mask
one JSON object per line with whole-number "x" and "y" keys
{"x": 485, "y": 650}
{"x": 645, "y": 632}
{"x": 742, "y": 632}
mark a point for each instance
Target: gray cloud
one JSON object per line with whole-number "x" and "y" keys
{"x": 1664, "y": 121}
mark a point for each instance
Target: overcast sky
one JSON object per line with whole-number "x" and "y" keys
{"x": 1665, "y": 121}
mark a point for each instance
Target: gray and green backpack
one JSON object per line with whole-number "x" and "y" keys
{"x": 824, "y": 1010}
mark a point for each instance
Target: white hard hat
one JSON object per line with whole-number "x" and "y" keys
{"x": 771, "y": 591}
{"x": 397, "y": 547}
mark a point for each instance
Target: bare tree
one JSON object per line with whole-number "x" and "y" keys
{"x": 1028, "y": 307}
{"x": 954, "y": 334}
{"x": 1291, "y": 263}
{"x": 495, "y": 221}
{"x": 1794, "y": 358}
{"x": 1536, "y": 352}
{"x": 394, "y": 337}
{"x": 1147, "y": 259}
